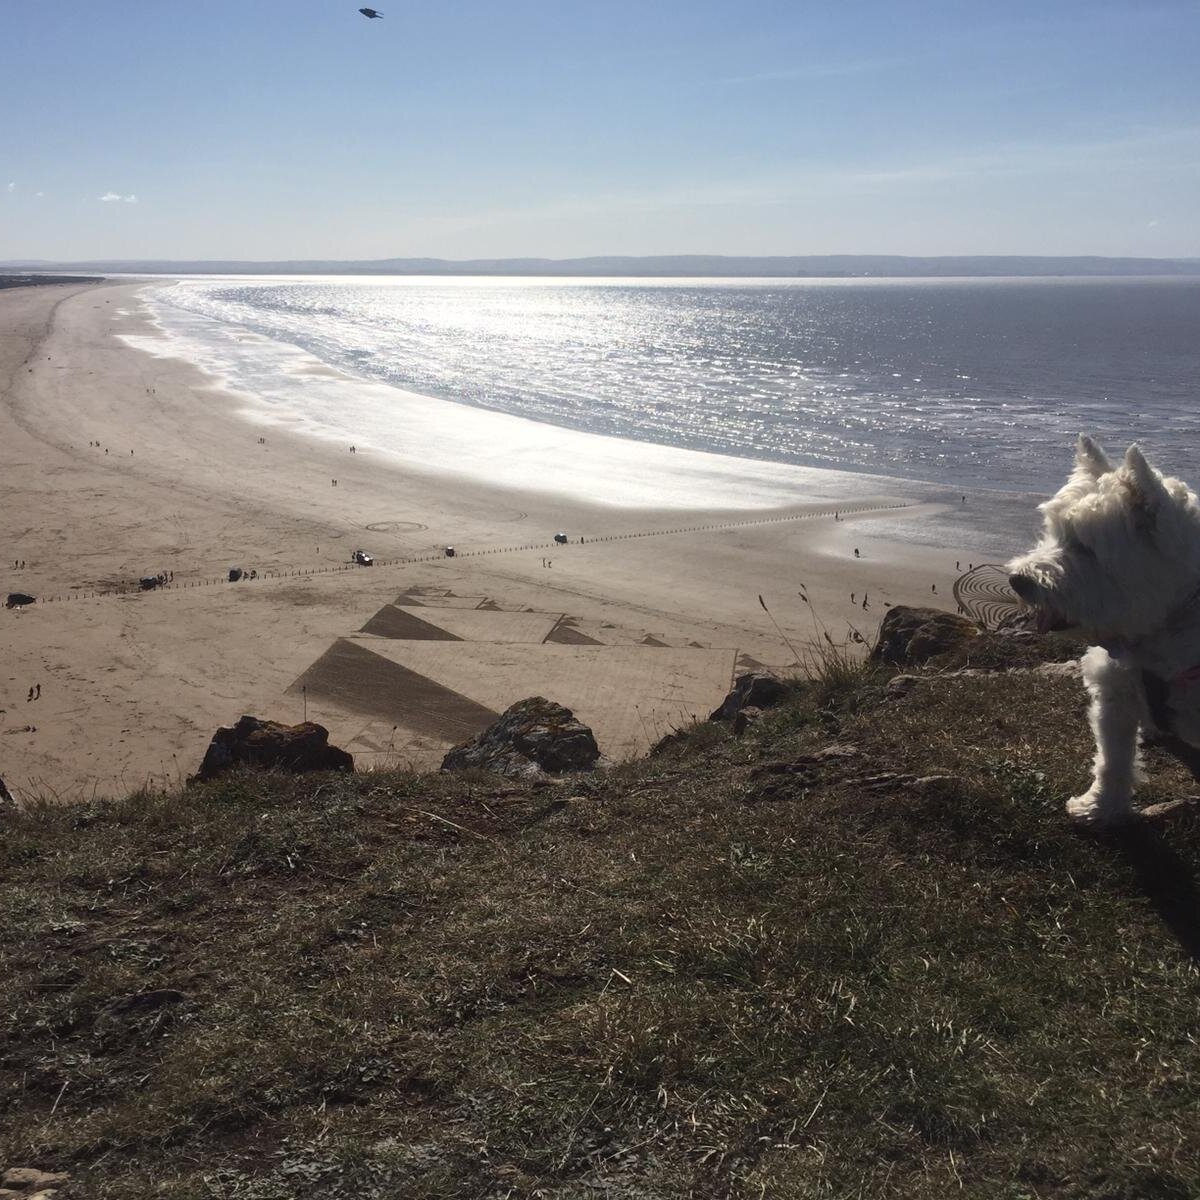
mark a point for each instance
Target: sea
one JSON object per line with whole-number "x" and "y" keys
{"x": 725, "y": 391}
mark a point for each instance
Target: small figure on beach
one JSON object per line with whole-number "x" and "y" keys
{"x": 353, "y": 449}
{"x": 856, "y": 553}
{"x": 30, "y": 696}
{"x": 851, "y": 597}
{"x": 933, "y": 588}
{"x": 333, "y": 482}
{"x": 37, "y": 692}
{"x": 957, "y": 566}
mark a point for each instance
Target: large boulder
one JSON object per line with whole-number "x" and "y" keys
{"x": 269, "y": 745}
{"x": 18, "y": 600}
{"x": 533, "y": 736}
{"x": 908, "y": 636}
{"x": 752, "y": 690}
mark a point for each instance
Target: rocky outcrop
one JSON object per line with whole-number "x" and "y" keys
{"x": 17, "y": 599}
{"x": 270, "y": 746}
{"x": 531, "y": 737}
{"x": 28, "y": 1183}
{"x": 908, "y": 636}
{"x": 753, "y": 690}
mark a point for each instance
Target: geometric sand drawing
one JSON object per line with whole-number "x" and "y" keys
{"x": 565, "y": 635}
{"x": 393, "y": 622}
{"x": 984, "y": 595}
{"x": 410, "y": 684}
{"x": 357, "y": 680}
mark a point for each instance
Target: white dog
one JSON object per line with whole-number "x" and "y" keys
{"x": 1119, "y": 558}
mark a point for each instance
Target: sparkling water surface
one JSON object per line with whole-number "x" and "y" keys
{"x": 965, "y": 383}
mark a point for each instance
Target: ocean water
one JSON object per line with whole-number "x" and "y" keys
{"x": 963, "y": 384}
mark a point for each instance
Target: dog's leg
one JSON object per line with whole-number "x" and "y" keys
{"x": 1115, "y": 712}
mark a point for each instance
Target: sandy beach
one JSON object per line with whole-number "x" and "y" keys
{"x": 115, "y": 463}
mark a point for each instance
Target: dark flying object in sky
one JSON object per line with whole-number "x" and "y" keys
{"x": 371, "y": 14}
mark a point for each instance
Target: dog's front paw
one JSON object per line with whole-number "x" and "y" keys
{"x": 1100, "y": 810}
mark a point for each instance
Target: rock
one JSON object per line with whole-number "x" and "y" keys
{"x": 805, "y": 763}
{"x": 25, "y": 1179}
{"x": 267, "y": 744}
{"x": 936, "y": 783}
{"x": 753, "y": 690}
{"x": 533, "y": 736}
{"x": 17, "y": 599}
{"x": 902, "y": 685}
{"x": 1168, "y": 809}
{"x": 908, "y": 636}
{"x": 1065, "y": 669}
{"x": 675, "y": 738}
{"x": 744, "y": 718}
{"x": 835, "y": 751}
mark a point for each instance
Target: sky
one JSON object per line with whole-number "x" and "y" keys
{"x": 298, "y": 129}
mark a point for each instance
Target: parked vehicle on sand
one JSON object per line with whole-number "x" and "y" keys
{"x": 362, "y": 558}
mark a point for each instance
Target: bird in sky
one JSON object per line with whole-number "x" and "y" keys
{"x": 371, "y": 14}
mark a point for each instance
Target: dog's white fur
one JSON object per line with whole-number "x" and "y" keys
{"x": 1119, "y": 558}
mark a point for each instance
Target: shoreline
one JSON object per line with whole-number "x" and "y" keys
{"x": 457, "y": 440}
{"x": 133, "y": 686}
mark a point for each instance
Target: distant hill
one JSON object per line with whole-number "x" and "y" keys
{"x": 658, "y": 266}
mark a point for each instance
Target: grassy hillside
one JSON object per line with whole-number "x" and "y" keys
{"x": 738, "y": 968}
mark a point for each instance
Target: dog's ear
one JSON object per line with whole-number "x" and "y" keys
{"x": 1144, "y": 482}
{"x": 1090, "y": 458}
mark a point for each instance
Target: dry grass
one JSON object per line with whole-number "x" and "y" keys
{"x": 732, "y": 969}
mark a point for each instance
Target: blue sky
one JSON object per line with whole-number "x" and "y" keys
{"x": 485, "y": 128}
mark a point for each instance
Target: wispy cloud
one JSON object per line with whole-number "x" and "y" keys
{"x": 12, "y": 187}
{"x": 114, "y": 197}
